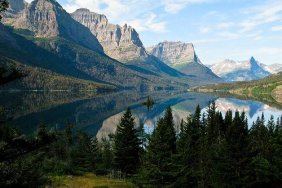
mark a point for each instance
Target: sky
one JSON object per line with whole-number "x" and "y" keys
{"x": 219, "y": 29}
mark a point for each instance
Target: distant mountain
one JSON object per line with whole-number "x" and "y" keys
{"x": 122, "y": 43}
{"x": 182, "y": 57}
{"x": 274, "y": 68}
{"x": 231, "y": 70}
{"x": 44, "y": 35}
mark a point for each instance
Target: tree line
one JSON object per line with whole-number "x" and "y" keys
{"x": 211, "y": 150}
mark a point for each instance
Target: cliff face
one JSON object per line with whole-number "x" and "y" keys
{"x": 119, "y": 42}
{"x": 47, "y": 19}
{"x": 182, "y": 57}
{"x": 173, "y": 53}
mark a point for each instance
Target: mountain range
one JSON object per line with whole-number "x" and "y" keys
{"x": 42, "y": 37}
{"x": 231, "y": 70}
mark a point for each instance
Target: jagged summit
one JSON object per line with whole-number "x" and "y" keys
{"x": 47, "y": 19}
{"x": 231, "y": 70}
{"x": 119, "y": 42}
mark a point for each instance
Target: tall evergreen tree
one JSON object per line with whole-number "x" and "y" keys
{"x": 158, "y": 167}
{"x": 126, "y": 145}
{"x": 188, "y": 152}
{"x": 85, "y": 153}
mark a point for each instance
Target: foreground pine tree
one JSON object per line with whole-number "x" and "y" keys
{"x": 126, "y": 145}
{"x": 158, "y": 167}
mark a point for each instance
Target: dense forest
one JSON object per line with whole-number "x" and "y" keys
{"x": 209, "y": 151}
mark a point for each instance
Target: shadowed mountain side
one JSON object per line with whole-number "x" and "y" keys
{"x": 67, "y": 58}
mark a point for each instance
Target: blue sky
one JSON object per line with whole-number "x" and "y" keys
{"x": 219, "y": 29}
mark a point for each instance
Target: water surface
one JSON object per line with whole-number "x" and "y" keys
{"x": 99, "y": 114}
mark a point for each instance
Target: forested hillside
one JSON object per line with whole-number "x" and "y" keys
{"x": 267, "y": 89}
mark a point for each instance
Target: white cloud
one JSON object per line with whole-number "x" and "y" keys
{"x": 269, "y": 51}
{"x": 204, "y": 29}
{"x": 225, "y": 25}
{"x": 148, "y": 23}
{"x": 174, "y": 6}
{"x": 228, "y": 35}
{"x": 276, "y": 28}
{"x": 261, "y": 15}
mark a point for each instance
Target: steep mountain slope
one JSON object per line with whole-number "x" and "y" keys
{"x": 122, "y": 43}
{"x": 15, "y": 75}
{"x": 46, "y": 18}
{"x": 182, "y": 57}
{"x": 52, "y": 44}
{"x": 231, "y": 70}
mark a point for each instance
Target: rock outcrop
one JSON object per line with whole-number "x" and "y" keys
{"x": 119, "y": 42}
{"x": 231, "y": 70}
{"x": 47, "y": 19}
{"x": 173, "y": 53}
{"x": 182, "y": 57}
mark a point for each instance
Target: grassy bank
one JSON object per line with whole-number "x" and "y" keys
{"x": 89, "y": 181}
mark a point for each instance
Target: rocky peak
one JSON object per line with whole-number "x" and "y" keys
{"x": 47, "y": 19}
{"x": 174, "y": 53}
{"x": 119, "y": 42}
{"x": 231, "y": 70}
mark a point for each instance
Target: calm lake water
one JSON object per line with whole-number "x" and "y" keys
{"x": 100, "y": 114}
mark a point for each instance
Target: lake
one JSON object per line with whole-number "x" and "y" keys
{"x": 99, "y": 114}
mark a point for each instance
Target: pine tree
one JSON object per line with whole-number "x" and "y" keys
{"x": 85, "y": 153}
{"x": 188, "y": 152}
{"x": 158, "y": 166}
{"x": 126, "y": 145}
{"x": 237, "y": 146}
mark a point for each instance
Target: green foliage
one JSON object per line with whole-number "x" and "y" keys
{"x": 210, "y": 151}
{"x": 126, "y": 145}
{"x": 158, "y": 167}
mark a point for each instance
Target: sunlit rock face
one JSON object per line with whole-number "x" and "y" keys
{"x": 182, "y": 57}
{"x": 48, "y": 19}
{"x": 174, "y": 53}
{"x": 119, "y": 42}
{"x": 231, "y": 70}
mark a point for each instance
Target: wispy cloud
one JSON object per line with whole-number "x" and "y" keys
{"x": 276, "y": 28}
{"x": 204, "y": 29}
{"x": 174, "y": 6}
{"x": 268, "y": 13}
{"x": 149, "y": 23}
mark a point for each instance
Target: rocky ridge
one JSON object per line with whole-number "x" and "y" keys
{"x": 47, "y": 19}
{"x": 231, "y": 70}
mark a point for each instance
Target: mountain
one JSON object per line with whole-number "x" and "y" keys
{"x": 182, "y": 57}
{"x": 119, "y": 42}
{"x": 122, "y": 43}
{"x": 44, "y": 35}
{"x": 47, "y": 18}
{"x": 274, "y": 68}
{"x": 231, "y": 70}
